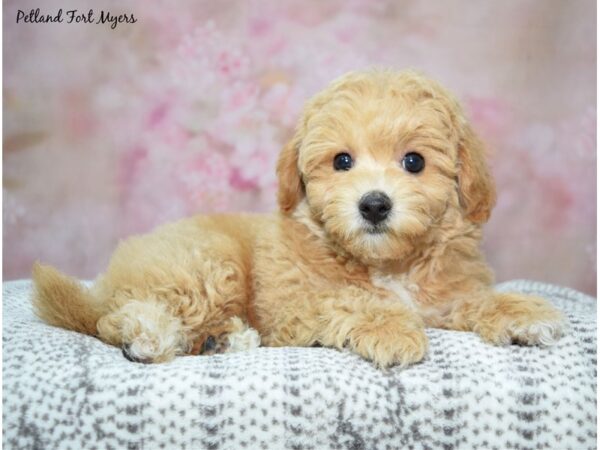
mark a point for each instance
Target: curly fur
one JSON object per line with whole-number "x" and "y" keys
{"x": 312, "y": 274}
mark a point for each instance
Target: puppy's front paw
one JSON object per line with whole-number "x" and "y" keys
{"x": 522, "y": 319}
{"x": 389, "y": 344}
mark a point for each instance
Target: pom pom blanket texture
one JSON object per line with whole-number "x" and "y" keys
{"x": 64, "y": 390}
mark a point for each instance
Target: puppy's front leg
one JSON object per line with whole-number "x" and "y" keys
{"x": 503, "y": 318}
{"x": 380, "y": 329}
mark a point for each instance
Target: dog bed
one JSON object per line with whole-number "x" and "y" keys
{"x": 64, "y": 390}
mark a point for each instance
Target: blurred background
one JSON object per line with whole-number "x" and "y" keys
{"x": 109, "y": 132}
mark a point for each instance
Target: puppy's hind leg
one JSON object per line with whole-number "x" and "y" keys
{"x": 234, "y": 335}
{"x": 242, "y": 337}
{"x": 145, "y": 330}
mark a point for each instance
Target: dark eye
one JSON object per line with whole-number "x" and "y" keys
{"x": 342, "y": 161}
{"x": 413, "y": 162}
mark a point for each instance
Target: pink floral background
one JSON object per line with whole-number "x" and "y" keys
{"x": 109, "y": 132}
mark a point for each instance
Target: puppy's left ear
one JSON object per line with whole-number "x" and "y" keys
{"x": 291, "y": 190}
{"x": 477, "y": 192}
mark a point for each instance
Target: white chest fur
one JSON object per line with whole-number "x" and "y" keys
{"x": 398, "y": 285}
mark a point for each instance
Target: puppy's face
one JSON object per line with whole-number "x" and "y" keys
{"x": 379, "y": 158}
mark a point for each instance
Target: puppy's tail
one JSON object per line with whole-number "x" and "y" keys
{"x": 62, "y": 301}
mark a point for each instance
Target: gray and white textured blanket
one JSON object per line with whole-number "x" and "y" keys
{"x": 63, "y": 390}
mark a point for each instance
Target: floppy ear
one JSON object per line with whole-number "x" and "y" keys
{"x": 291, "y": 190}
{"x": 476, "y": 189}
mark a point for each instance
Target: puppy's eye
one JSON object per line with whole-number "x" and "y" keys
{"x": 342, "y": 161}
{"x": 413, "y": 162}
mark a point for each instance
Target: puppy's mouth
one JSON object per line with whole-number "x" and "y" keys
{"x": 376, "y": 229}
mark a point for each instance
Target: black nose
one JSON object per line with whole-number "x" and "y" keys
{"x": 375, "y": 206}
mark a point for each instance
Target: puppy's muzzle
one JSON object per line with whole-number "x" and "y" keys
{"x": 375, "y": 206}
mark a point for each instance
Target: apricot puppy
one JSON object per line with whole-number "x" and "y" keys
{"x": 382, "y": 193}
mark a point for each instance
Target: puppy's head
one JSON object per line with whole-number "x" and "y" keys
{"x": 379, "y": 158}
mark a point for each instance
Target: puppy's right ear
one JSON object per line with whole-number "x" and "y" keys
{"x": 291, "y": 190}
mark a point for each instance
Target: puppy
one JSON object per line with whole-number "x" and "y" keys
{"x": 383, "y": 190}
